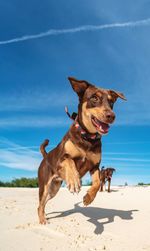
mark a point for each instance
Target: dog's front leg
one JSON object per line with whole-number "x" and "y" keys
{"x": 109, "y": 181}
{"x": 91, "y": 193}
{"x": 69, "y": 173}
{"x": 101, "y": 186}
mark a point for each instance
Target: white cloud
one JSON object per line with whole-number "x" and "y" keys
{"x": 35, "y": 100}
{"x": 33, "y": 122}
{"x": 128, "y": 143}
{"x": 21, "y": 157}
{"x": 129, "y": 159}
{"x": 53, "y": 32}
{"x": 16, "y": 156}
{"x": 126, "y": 153}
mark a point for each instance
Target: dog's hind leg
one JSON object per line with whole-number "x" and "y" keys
{"x": 53, "y": 189}
{"x": 45, "y": 194}
{"x": 109, "y": 181}
{"x": 101, "y": 186}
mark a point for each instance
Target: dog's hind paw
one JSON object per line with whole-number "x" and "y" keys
{"x": 42, "y": 221}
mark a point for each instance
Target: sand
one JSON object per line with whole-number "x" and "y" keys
{"x": 116, "y": 221}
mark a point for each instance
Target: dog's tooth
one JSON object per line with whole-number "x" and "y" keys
{"x": 101, "y": 129}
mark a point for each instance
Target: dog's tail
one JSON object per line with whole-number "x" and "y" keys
{"x": 42, "y": 147}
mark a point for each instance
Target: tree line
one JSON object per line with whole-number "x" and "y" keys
{"x": 33, "y": 182}
{"x": 21, "y": 182}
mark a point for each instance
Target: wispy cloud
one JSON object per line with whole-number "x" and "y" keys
{"x": 35, "y": 100}
{"x": 20, "y": 158}
{"x": 126, "y": 153}
{"x": 33, "y": 122}
{"x": 128, "y": 143}
{"x": 129, "y": 159}
{"x": 85, "y": 28}
{"x": 9, "y": 145}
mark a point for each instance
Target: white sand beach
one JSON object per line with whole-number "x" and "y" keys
{"x": 116, "y": 221}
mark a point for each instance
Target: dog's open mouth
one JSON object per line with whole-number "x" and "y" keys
{"x": 100, "y": 126}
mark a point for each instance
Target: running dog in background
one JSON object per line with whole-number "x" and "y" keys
{"x": 80, "y": 149}
{"x": 106, "y": 176}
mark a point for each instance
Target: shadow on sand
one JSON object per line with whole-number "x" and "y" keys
{"x": 95, "y": 214}
{"x": 111, "y": 191}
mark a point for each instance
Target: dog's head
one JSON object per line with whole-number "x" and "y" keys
{"x": 95, "y": 106}
{"x": 109, "y": 173}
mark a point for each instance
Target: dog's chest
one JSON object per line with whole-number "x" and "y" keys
{"x": 77, "y": 152}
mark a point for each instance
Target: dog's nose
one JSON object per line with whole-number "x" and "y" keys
{"x": 110, "y": 116}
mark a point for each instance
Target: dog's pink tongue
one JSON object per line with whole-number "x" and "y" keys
{"x": 103, "y": 127}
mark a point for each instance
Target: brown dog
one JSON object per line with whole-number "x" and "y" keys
{"x": 106, "y": 175}
{"x": 80, "y": 149}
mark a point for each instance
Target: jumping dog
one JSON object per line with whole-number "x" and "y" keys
{"x": 80, "y": 149}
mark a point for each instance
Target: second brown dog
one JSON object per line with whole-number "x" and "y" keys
{"x": 106, "y": 176}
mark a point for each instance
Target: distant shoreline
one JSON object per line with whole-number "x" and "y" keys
{"x": 33, "y": 183}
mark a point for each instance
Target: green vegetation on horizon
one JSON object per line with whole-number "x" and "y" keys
{"x": 22, "y": 182}
{"x": 143, "y": 184}
{"x": 28, "y": 182}
{"x": 33, "y": 182}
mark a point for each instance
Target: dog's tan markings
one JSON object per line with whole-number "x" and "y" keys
{"x": 88, "y": 112}
{"x": 73, "y": 150}
{"x": 96, "y": 111}
{"x": 93, "y": 157}
{"x": 86, "y": 118}
{"x": 110, "y": 97}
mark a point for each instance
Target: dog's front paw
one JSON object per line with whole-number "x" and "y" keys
{"x": 74, "y": 185}
{"x": 87, "y": 199}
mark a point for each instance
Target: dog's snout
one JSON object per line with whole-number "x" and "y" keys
{"x": 110, "y": 116}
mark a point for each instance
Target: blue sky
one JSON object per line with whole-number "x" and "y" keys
{"x": 34, "y": 88}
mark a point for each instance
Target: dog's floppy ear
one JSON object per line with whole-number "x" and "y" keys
{"x": 116, "y": 94}
{"x": 79, "y": 86}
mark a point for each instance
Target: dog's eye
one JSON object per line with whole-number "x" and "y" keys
{"x": 94, "y": 99}
{"x": 111, "y": 104}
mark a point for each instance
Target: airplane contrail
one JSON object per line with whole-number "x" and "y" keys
{"x": 85, "y": 28}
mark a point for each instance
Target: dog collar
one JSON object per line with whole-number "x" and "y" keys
{"x": 85, "y": 135}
